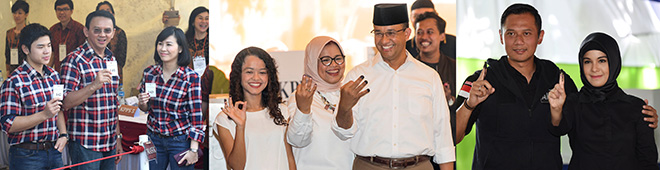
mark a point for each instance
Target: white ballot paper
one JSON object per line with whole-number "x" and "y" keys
{"x": 151, "y": 89}
{"x": 58, "y": 91}
{"x": 112, "y": 66}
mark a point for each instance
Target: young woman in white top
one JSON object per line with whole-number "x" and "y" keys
{"x": 253, "y": 123}
{"x": 315, "y": 146}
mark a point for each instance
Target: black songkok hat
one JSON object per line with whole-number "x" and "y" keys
{"x": 422, "y": 4}
{"x": 390, "y": 14}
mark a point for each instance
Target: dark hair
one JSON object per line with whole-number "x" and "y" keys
{"x": 105, "y": 3}
{"x": 63, "y": 2}
{"x": 521, "y": 9}
{"x": 190, "y": 33}
{"x": 31, "y": 33}
{"x": 20, "y": 4}
{"x": 440, "y": 23}
{"x": 422, "y": 4}
{"x": 184, "y": 55}
{"x": 101, "y": 13}
{"x": 270, "y": 97}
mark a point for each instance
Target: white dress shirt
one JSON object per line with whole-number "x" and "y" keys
{"x": 404, "y": 115}
{"x": 264, "y": 141}
{"x": 315, "y": 146}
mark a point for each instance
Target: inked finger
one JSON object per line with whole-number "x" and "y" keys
{"x": 482, "y": 75}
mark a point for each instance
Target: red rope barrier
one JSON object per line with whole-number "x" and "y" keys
{"x": 136, "y": 149}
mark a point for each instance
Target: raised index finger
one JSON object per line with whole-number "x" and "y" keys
{"x": 561, "y": 79}
{"x": 483, "y": 74}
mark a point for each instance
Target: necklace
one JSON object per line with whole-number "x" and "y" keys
{"x": 328, "y": 105}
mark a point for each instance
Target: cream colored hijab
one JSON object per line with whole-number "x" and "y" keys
{"x": 312, "y": 54}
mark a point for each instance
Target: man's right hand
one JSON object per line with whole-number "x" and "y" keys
{"x": 351, "y": 92}
{"x": 102, "y": 77}
{"x": 52, "y": 107}
{"x": 480, "y": 90}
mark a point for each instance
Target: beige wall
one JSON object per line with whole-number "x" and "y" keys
{"x": 141, "y": 19}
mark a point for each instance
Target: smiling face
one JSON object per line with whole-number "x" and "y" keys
{"x": 19, "y": 16}
{"x": 520, "y": 37}
{"x": 63, "y": 13}
{"x": 334, "y": 72}
{"x": 391, "y": 47}
{"x": 168, "y": 49}
{"x": 202, "y": 22}
{"x": 39, "y": 52}
{"x": 596, "y": 67}
{"x": 428, "y": 37}
{"x": 100, "y": 33}
{"x": 254, "y": 76}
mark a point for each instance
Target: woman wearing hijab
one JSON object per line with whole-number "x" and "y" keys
{"x": 604, "y": 124}
{"x": 315, "y": 146}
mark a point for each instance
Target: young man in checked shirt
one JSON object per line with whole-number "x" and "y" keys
{"x": 29, "y": 111}
{"x": 90, "y": 91}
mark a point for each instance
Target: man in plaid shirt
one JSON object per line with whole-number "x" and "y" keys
{"x": 29, "y": 111}
{"x": 90, "y": 96}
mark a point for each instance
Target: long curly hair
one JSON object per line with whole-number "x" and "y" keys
{"x": 270, "y": 97}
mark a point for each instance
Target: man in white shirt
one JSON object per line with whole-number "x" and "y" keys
{"x": 400, "y": 119}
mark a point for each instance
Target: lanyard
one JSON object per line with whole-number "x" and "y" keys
{"x": 195, "y": 44}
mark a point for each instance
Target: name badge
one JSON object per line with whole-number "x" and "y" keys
{"x": 58, "y": 91}
{"x": 62, "y": 51}
{"x": 151, "y": 89}
{"x": 14, "y": 56}
{"x": 112, "y": 66}
{"x": 199, "y": 65}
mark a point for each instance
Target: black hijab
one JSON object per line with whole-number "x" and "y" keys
{"x": 610, "y": 90}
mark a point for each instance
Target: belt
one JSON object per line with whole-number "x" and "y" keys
{"x": 395, "y": 163}
{"x": 36, "y": 146}
{"x": 161, "y": 135}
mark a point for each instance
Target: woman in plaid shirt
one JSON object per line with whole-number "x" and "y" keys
{"x": 175, "y": 114}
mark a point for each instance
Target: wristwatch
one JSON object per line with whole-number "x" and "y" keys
{"x": 194, "y": 150}
{"x": 66, "y": 135}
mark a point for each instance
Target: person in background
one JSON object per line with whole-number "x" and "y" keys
{"x": 402, "y": 116}
{"x": 252, "y": 126}
{"x": 90, "y": 96}
{"x": 118, "y": 43}
{"x": 175, "y": 113}
{"x": 29, "y": 112}
{"x": 20, "y": 10}
{"x": 66, "y": 35}
{"x": 198, "y": 38}
{"x": 313, "y": 105}
{"x": 448, "y": 45}
{"x": 603, "y": 123}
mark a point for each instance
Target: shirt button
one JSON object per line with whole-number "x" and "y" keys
{"x": 394, "y": 126}
{"x": 395, "y": 144}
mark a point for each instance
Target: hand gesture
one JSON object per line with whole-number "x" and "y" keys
{"x": 480, "y": 90}
{"x": 557, "y": 96}
{"x": 102, "y": 77}
{"x": 190, "y": 157}
{"x": 650, "y": 111}
{"x": 61, "y": 143}
{"x": 52, "y": 107}
{"x": 351, "y": 92}
{"x": 305, "y": 94}
{"x": 450, "y": 98}
{"x": 143, "y": 98}
{"x": 232, "y": 110}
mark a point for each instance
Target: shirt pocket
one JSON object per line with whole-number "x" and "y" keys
{"x": 420, "y": 101}
{"x": 31, "y": 99}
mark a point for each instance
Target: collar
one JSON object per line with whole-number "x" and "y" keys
{"x": 179, "y": 73}
{"x": 89, "y": 53}
{"x": 30, "y": 71}
{"x": 378, "y": 60}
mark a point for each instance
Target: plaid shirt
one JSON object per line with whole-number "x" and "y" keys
{"x": 177, "y": 107}
{"x": 92, "y": 123}
{"x": 25, "y": 93}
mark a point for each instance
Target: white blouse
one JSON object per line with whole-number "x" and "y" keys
{"x": 314, "y": 144}
{"x": 264, "y": 141}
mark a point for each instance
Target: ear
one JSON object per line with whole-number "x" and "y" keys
{"x": 501, "y": 40}
{"x": 86, "y": 32}
{"x": 26, "y": 49}
{"x": 408, "y": 32}
{"x": 541, "y": 36}
{"x": 442, "y": 38}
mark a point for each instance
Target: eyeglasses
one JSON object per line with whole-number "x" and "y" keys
{"x": 98, "y": 31}
{"x": 62, "y": 9}
{"x": 327, "y": 60}
{"x": 379, "y": 34}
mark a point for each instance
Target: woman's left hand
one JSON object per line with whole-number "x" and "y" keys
{"x": 305, "y": 94}
{"x": 190, "y": 157}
